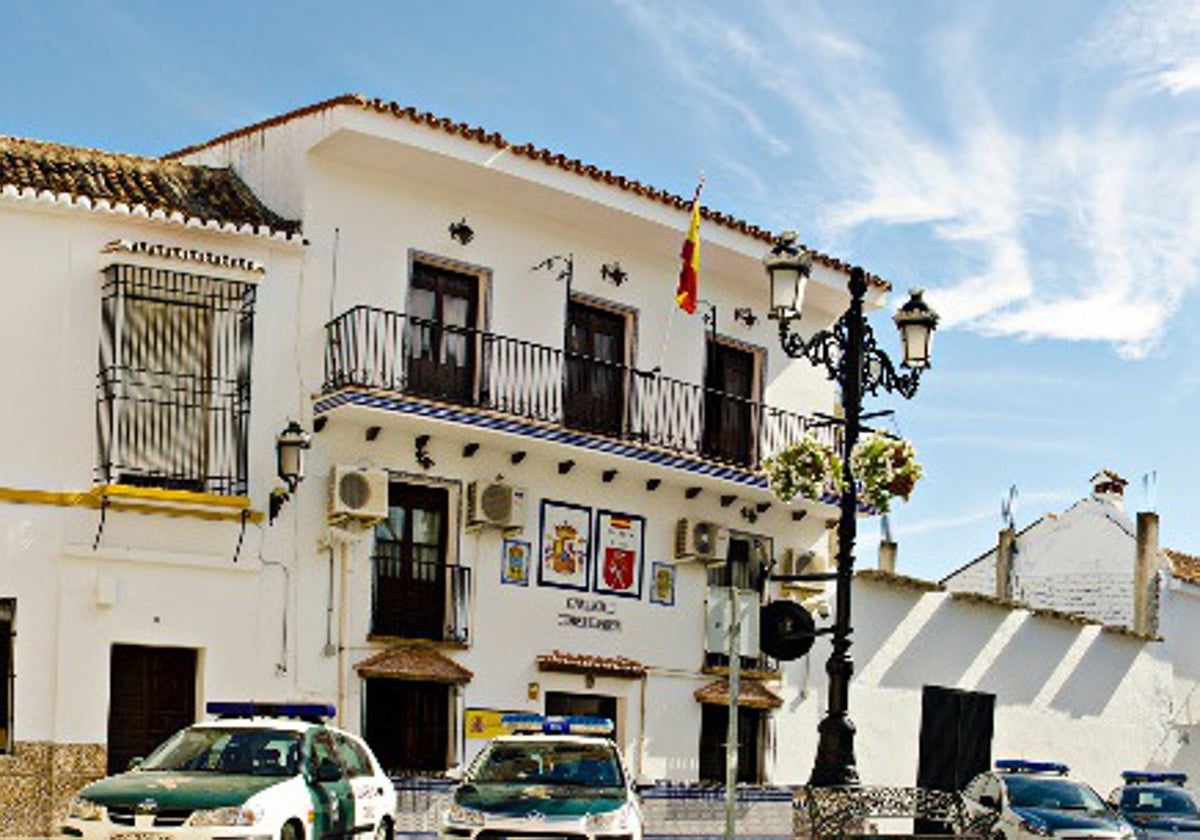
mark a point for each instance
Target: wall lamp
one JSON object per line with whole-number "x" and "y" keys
{"x": 613, "y": 273}
{"x": 290, "y": 445}
{"x": 461, "y": 232}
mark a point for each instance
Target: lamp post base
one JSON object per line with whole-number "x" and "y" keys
{"x": 835, "y": 765}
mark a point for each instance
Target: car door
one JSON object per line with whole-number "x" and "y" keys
{"x": 332, "y": 798}
{"x": 366, "y": 788}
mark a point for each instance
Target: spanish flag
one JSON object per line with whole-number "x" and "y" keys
{"x": 688, "y": 289}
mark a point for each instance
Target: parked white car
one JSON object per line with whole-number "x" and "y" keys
{"x": 261, "y": 771}
{"x": 1034, "y": 800}
{"x": 554, "y": 777}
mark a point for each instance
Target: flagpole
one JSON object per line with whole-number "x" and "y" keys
{"x": 691, "y": 256}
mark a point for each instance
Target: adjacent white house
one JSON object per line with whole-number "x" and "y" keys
{"x": 533, "y": 482}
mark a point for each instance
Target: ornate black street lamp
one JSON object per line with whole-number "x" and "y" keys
{"x": 851, "y": 358}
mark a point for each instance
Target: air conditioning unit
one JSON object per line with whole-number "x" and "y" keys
{"x": 358, "y": 495}
{"x": 794, "y": 562}
{"x": 703, "y": 542}
{"x": 495, "y": 505}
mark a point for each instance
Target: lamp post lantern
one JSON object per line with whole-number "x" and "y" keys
{"x": 851, "y": 358}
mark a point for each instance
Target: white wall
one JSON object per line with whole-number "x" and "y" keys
{"x": 175, "y": 580}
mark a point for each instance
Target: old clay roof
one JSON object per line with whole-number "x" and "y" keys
{"x": 526, "y": 150}
{"x": 135, "y": 185}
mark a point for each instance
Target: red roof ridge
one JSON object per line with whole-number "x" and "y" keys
{"x": 527, "y": 150}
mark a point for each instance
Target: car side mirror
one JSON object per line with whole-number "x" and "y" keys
{"x": 134, "y": 763}
{"x": 989, "y": 801}
{"x": 329, "y": 771}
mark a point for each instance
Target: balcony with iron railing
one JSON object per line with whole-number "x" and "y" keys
{"x": 383, "y": 351}
{"x": 414, "y": 599}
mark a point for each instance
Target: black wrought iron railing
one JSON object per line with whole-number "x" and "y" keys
{"x": 418, "y": 600}
{"x": 390, "y": 351}
{"x": 173, "y": 388}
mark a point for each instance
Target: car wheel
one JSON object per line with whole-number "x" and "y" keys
{"x": 291, "y": 831}
{"x": 384, "y": 831}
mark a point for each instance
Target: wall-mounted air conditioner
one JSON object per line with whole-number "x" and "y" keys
{"x": 495, "y": 504}
{"x": 795, "y": 562}
{"x": 358, "y": 495}
{"x": 703, "y": 542}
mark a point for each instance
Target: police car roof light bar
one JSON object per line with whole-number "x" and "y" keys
{"x": 314, "y": 712}
{"x": 1174, "y": 777}
{"x": 557, "y": 724}
{"x": 1020, "y": 765}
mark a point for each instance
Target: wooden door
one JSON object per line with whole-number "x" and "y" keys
{"x": 152, "y": 695}
{"x": 408, "y": 724}
{"x": 410, "y": 564}
{"x": 594, "y": 399}
{"x": 441, "y": 333}
{"x": 729, "y": 390}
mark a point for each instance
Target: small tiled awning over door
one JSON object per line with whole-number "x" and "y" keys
{"x": 413, "y": 663}
{"x": 586, "y": 663}
{"x": 751, "y": 694}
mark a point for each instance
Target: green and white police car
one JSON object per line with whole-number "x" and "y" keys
{"x": 256, "y": 772}
{"x": 554, "y": 777}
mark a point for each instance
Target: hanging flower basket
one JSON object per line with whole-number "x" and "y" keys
{"x": 885, "y": 468}
{"x": 808, "y": 469}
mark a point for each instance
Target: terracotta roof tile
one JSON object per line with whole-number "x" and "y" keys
{"x": 527, "y": 150}
{"x": 167, "y": 188}
{"x": 414, "y": 663}
{"x": 1185, "y": 567}
{"x": 751, "y": 693}
{"x": 583, "y": 663}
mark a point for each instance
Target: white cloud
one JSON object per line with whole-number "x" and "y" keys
{"x": 1072, "y": 223}
{"x": 1182, "y": 78}
{"x": 1026, "y": 506}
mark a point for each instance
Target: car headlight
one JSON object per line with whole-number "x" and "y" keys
{"x": 1036, "y": 827}
{"x": 230, "y": 815}
{"x": 619, "y": 820}
{"x": 85, "y": 809}
{"x": 461, "y": 815}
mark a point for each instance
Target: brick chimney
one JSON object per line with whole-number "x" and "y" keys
{"x": 887, "y": 556}
{"x": 1145, "y": 563}
{"x": 1005, "y": 545}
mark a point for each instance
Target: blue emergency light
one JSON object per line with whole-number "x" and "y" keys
{"x": 557, "y": 724}
{"x": 1020, "y": 765}
{"x": 250, "y": 708}
{"x": 1173, "y": 777}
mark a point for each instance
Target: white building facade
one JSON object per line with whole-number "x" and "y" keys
{"x": 533, "y": 482}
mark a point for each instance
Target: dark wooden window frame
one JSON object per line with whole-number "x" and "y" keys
{"x": 630, "y": 314}
{"x": 759, "y": 380}
{"x": 483, "y": 300}
{"x": 450, "y": 554}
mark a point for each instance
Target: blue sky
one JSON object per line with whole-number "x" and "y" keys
{"x": 1034, "y": 165}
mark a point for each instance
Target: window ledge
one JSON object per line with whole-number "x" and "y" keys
{"x": 147, "y": 500}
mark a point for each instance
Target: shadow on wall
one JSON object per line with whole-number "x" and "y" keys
{"x": 876, "y": 621}
{"x": 948, "y": 644}
{"x": 1028, "y": 661}
{"x": 1098, "y": 675}
{"x": 910, "y": 640}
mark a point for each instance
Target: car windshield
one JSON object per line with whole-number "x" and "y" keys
{"x": 256, "y": 752}
{"x": 1158, "y": 801}
{"x": 549, "y": 762}
{"x": 1056, "y": 794}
